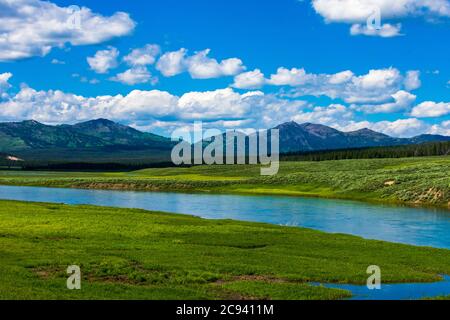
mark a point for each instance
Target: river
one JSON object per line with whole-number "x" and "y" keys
{"x": 416, "y": 226}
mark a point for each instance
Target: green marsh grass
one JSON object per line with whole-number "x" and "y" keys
{"x": 138, "y": 254}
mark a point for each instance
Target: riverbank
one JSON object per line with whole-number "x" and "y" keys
{"x": 137, "y": 254}
{"x": 409, "y": 181}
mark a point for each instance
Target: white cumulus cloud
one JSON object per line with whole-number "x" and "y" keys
{"x": 199, "y": 65}
{"x": 31, "y": 28}
{"x": 330, "y": 115}
{"x": 104, "y": 60}
{"x": 430, "y": 109}
{"x": 376, "y": 86}
{"x": 341, "y": 77}
{"x": 4, "y": 84}
{"x": 357, "y": 12}
{"x": 172, "y": 63}
{"x": 249, "y": 80}
{"x": 216, "y": 104}
{"x": 289, "y": 77}
{"x": 55, "y": 106}
{"x": 377, "y": 79}
{"x": 353, "y": 11}
{"x": 443, "y": 128}
{"x": 135, "y": 75}
{"x": 402, "y": 102}
{"x": 412, "y": 80}
{"x": 143, "y": 56}
{"x": 401, "y": 128}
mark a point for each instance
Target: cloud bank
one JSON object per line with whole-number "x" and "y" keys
{"x": 223, "y": 108}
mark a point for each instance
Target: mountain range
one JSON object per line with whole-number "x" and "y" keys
{"x": 296, "y": 137}
{"x": 98, "y": 140}
{"x": 103, "y": 140}
{"x": 94, "y": 133}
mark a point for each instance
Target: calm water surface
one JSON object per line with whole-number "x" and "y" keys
{"x": 418, "y": 226}
{"x": 401, "y": 291}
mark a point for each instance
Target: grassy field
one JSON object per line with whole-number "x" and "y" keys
{"x": 418, "y": 181}
{"x": 137, "y": 254}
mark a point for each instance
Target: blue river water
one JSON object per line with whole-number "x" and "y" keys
{"x": 416, "y": 226}
{"x": 398, "y": 291}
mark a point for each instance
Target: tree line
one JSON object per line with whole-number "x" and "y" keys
{"x": 403, "y": 151}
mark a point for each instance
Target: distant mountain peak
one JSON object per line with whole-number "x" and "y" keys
{"x": 429, "y": 138}
{"x": 289, "y": 124}
{"x": 32, "y": 122}
{"x": 367, "y": 131}
{"x": 119, "y": 134}
{"x": 102, "y": 120}
{"x": 310, "y": 124}
{"x": 430, "y": 135}
{"x": 314, "y": 125}
{"x": 364, "y": 130}
{"x": 103, "y": 125}
{"x": 99, "y": 121}
{"x": 319, "y": 130}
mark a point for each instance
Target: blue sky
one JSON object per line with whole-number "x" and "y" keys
{"x": 326, "y": 72}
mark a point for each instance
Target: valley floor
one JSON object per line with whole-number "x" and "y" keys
{"x": 412, "y": 181}
{"x": 137, "y": 254}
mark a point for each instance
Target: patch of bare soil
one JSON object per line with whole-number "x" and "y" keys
{"x": 390, "y": 182}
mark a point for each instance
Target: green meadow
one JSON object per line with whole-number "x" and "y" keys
{"x": 137, "y": 254}
{"x": 412, "y": 181}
